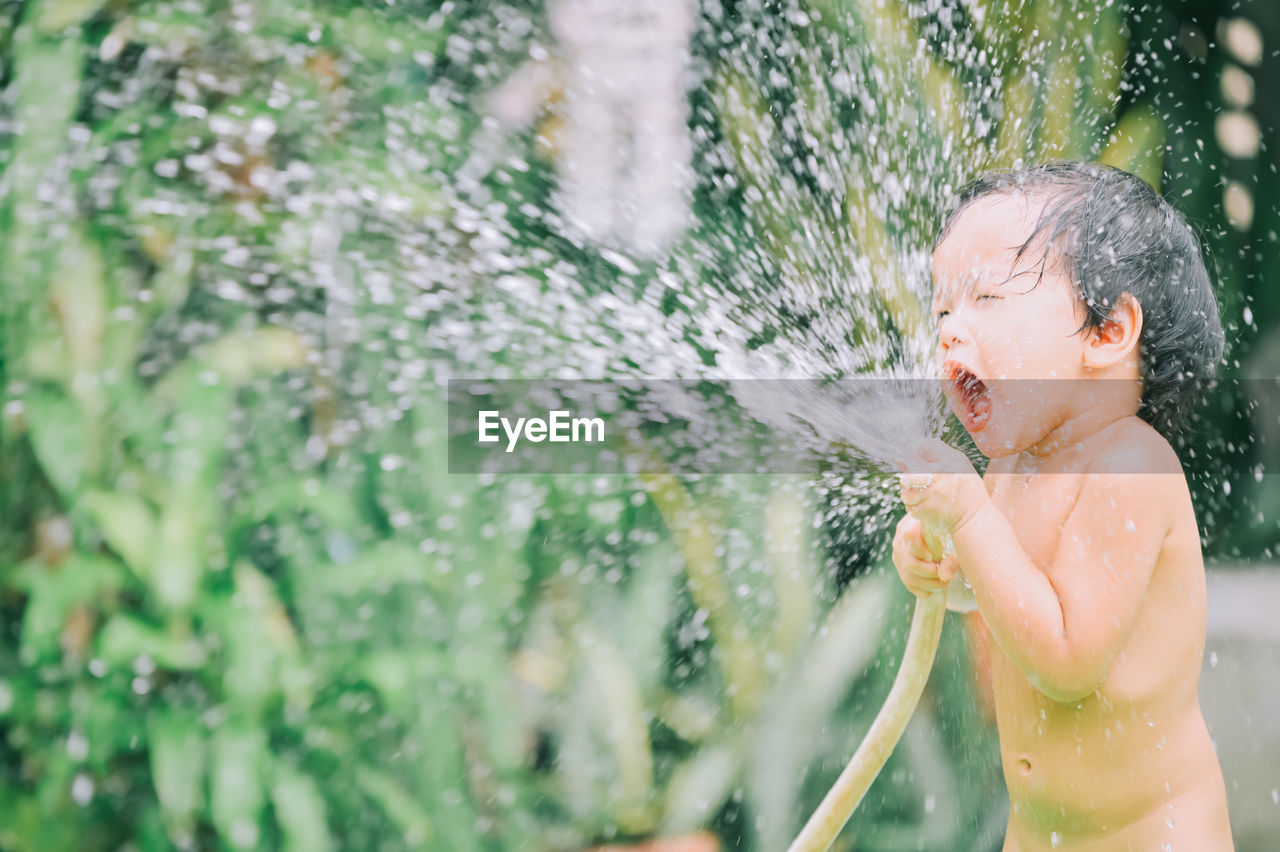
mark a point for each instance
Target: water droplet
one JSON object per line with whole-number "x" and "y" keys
{"x": 82, "y": 789}
{"x": 341, "y": 547}
{"x": 77, "y": 746}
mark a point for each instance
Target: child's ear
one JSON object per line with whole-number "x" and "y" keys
{"x": 1117, "y": 339}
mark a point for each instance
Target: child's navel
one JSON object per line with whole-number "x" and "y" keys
{"x": 1024, "y": 766}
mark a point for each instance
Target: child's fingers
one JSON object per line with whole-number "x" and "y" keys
{"x": 911, "y": 534}
{"x": 917, "y": 576}
{"x": 924, "y": 571}
{"x": 922, "y": 588}
{"x": 917, "y": 547}
{"x": 947, "y": 568}
{"x": 904, "y": 549}
{"x": 918, "y": 572}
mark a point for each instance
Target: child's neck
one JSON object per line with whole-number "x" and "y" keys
{"x": 1097, "y": 408}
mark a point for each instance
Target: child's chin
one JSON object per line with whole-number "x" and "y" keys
{"x": 993, "y": 449}
{"x": 991, "y": 440}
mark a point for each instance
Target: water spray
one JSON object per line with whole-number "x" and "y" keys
{"x": 870, "y": 420}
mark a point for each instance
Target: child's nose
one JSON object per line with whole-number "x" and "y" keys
{"x": 950, "y": 332}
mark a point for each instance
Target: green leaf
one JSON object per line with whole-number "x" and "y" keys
{"x": 379, "y": 568}
{"x": 650, "y": 602}
{"x": 399, "y": 674}
{"x": 300, "y": 811}
{"x": 237, "y": 796}
{"x": 402, "y": 808}
{"x": 626, "y": 729}
{"x": 57, "y": 15}
{"x": 127, "y": 523}
{"x": 56, "y": 431}
{"x": 177, "y": 746}
{"x": 171, "y": 26}
{"x": 110, "y": 723}
{"x": 47, "y": 79}
{"x": 52, "y": 593}
{"x": 288, "y": 496}
{"x": 171, "y": 282}
{"x": 700, "y": 786}
{"x": 261, "y": 644}
{"x": 1137, "y": 144}
{"x": 78, "y": 296}
{"x": 125, "y": 638}
{"x": 42, "y": 622}
{"x": 393, "y": 675}
{"x": 177, "y": 561}
{"x": 232, "y": 361}
{"x": 378, "y": 38}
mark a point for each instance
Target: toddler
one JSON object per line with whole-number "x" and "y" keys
{"x": 1073, "y": 314}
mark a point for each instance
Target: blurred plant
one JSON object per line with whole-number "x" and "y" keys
{"x": 248, "y": 606}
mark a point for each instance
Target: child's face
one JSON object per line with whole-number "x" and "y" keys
{"x": 994, "y": 323}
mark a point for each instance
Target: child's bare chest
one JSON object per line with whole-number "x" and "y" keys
{"x": 1037, "y": 507}
{"x": 1105, "y": 760}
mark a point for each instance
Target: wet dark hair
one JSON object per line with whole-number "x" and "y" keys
{"x": 1114, "y": 234}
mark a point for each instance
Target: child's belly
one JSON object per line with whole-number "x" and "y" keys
{"x": 1194, "y": 821}
{"x": 1098, "y": 768}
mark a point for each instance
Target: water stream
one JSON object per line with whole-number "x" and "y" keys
{"x": 252, "y": 247}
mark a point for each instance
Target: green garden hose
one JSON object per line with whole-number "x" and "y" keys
{"x": 917, "y": 660}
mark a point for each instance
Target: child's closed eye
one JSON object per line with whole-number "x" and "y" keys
{"x": 937, "y": 318}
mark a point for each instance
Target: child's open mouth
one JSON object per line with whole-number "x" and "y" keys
{"x": 970, "y": 397}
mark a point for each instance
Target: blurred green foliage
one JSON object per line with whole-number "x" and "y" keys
{"x": 245, "y": 605}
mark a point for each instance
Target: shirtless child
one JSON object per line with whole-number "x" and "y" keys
{"x": 1071, "y": 304}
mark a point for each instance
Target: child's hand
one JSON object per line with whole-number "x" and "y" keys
{"x": 944, "y": 500}
{"x": 920, "y": 570}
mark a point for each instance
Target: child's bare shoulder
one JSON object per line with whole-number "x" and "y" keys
{"x": 1131, "y": 446}
{"x": 1133, "y": 468}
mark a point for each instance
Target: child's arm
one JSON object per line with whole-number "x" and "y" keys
{"x": 1063, "y": 626}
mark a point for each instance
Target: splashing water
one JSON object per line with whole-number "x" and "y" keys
{"x": 496, "y": 191}
{"x": 817, "y": 271}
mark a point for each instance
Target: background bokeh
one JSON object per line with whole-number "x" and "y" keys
{"x": 244, "y": 604}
